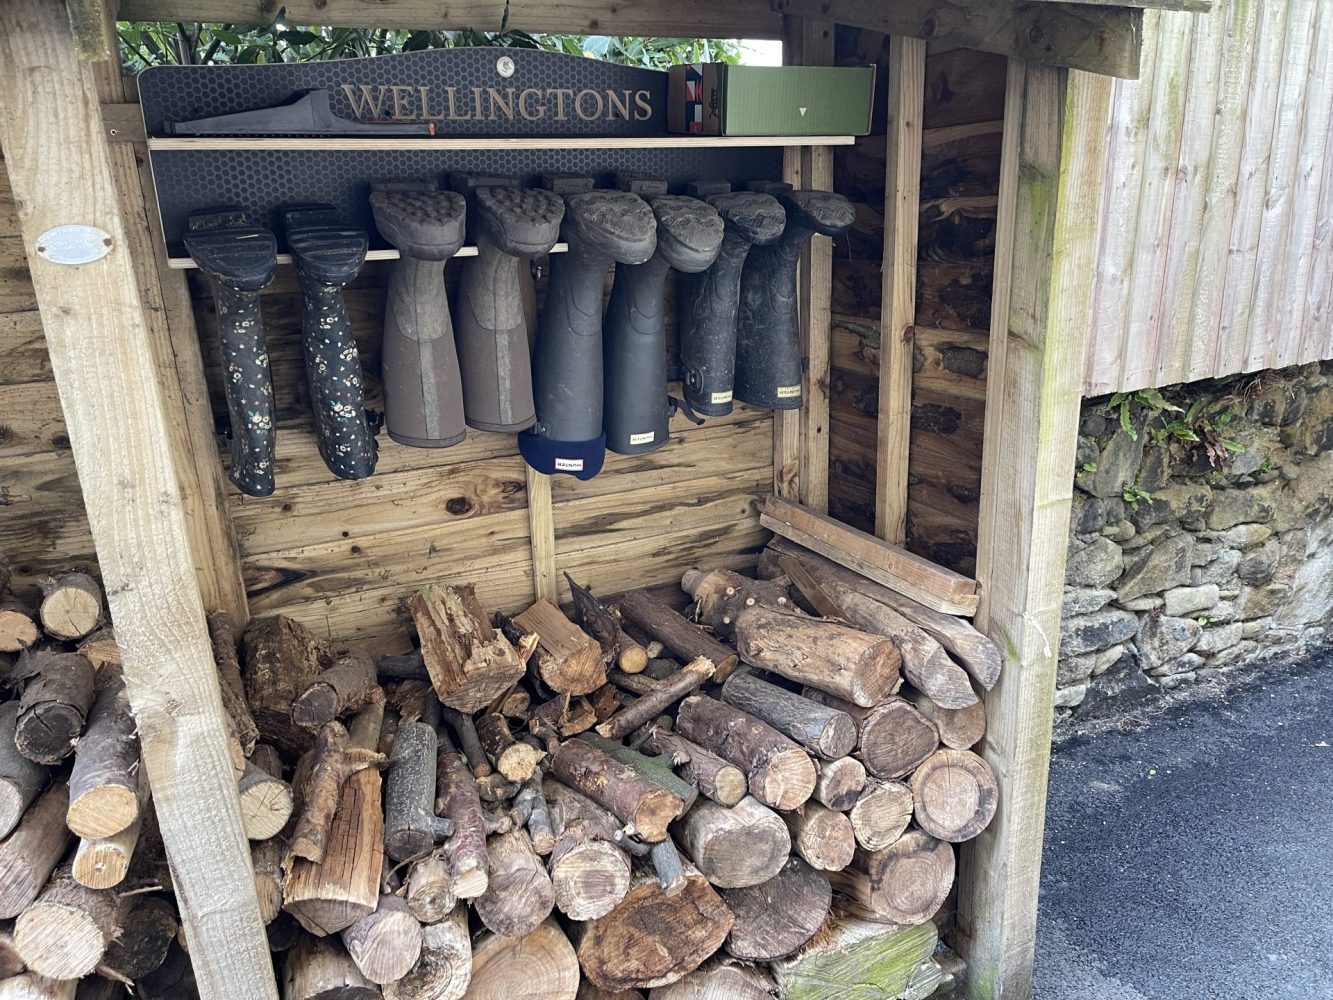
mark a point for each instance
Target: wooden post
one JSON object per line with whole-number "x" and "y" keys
{"x": 541, "y": 529}
{"x": 1040, "y": 314}
{"x": 102, "y": 354}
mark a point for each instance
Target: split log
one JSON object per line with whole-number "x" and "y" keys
{"x": 777, "y": 917}
{"x": 653, "y": 939}
{"x": 639, "y": 801}
{"x": 335, "y": 759}
{"x": 410, "y": 824}
{"x": 458, "y": 800}
{"x": 978, "y": 655}
{"x": 718, "y": 981}
{"x": 101, "y": 649}
{"x": 733, "y": 847}
{"x": 54, "y": 707}
{"x": 20, "y": 778}
{"x": 71, "y": 606}
{"x": 266, "y": 800}
{"x": 598, "y": 621}
{"x": 104, "y": 782}
{"x": 589, "y": 873}
{"x": 779, "y": 773}
{"x": 881, "y": 814}
{"x": 30, "y": 986}
{"x": 347, "y": 686}
{"x": 822, "y": 837}
{"x": 663, "y": 695}
{"x": 266, "y": 858}
{"x": 222, "y": 633}
{"x": 150, "y": 925}
{"x": 520, "y": 895}
{"x": 444, "y": 969}
{"x": 959, "y": 728}
{"x": 905, "y": 883}
{"x": 894, "y": 737}
{"x": 683, "y": 638}
{"x": 384, "y": 944}
{"x": 819, "y": 728}
{"x": 843, "y": 957}
{"x": 32, "y": 851}
{"x": 562, "y": 716}
{"x": 719, "y": 780}
{"x": 18, "y": 626}
{"x": 65, "y": 933}
{"x": 569, "y": 661}
{"x": 329, "y": 896}
{"x": 430, "y": 891}
{"x": 515, "y": 760}
{"x": 839, "y": 783}
{"x": 320, "y": 969}
{"x": 515, "y": 704}
{"x": 470, "y": 663}
{"x": 954, "y": 795}
{"x": 658, "y": 769}
{"x": 281, "y": 658}
{"x": 542, "y": 964}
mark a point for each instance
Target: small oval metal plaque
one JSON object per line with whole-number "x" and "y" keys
{"x": 74, "y": 244}
{"x": 505, "y": 66}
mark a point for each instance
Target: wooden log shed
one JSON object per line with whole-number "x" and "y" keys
{"x": 132, "y": 382}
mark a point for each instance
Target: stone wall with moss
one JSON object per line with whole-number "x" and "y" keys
{"x": 1201, "y": 539}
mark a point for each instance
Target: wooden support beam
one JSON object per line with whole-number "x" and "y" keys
{"x": 902, "y": 212}
{"x": 787, "y": 423}
{"x": 1042, "y": 301}
{"x": 1092, "y": 37}
{"x": 93, "y": 24}
{"x": 1195, "y": 6}
{"x": 541, "y": 531}
{"x": 102, "y": 356}
{"x": 690, "y": 18}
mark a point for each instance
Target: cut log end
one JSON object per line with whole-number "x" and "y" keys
{"x": 102, "y": 811}
{"x": 18, "y": 631}
{"x": 385, "y": 944}
{"x": 785, "y": 781}
{"x": 541, "y": 964}
{"x": 590, "y": 879}
{"x": 840, "y": 783}
{"x": 881, "y": 814}
{"x": 955, "y": 795}
{"x": 71, "y": 606}
{"x": 777, "y": 917}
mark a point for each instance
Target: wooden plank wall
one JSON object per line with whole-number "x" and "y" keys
{"x": 959, "y": 184}
{"x": 1216, "y": 240}
{"x": 344, "y": 557}
{"x": 43, "y": 526}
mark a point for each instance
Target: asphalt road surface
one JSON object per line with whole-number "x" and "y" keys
{"x": 1193, "y": 860}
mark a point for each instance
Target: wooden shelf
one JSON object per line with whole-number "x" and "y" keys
{"x": 187, "y": 263}
{"x": 198, "y": 143}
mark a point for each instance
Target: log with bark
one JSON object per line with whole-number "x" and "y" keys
{"x": 444, "y": 968}
{"x": 64, "y": 934}
{"x": 718, "y": 981}
{"x": 657, "y": 699}
{"x": 150, "y": 925}
{"x": 281, "y": 657}
{"x": 637, "y": 800}
{"x": 822, "y": 837}
{"x": 33, "y": 850}
{"x": 103, "y": 862}
{"x": 651, "y": 938}
{"x": 894, "y": 738}
{"x": 777, "y": 917}
{"x": 266, "y": 858}
{"x": 589, "y": 872}
{"x": 839, "y": 783}
{"x": 266, "y": 800}
{"x": 410, "y": 824}
{"x": 456, "y": 791}
{"x": 717, "y": 779}
{"x": 822, "y": 730}
{"x": 54, "y": 707}
{"x": 104, "y": 782}
{"x": 954, "y": 795}
{"x": 905, "y": 883}
{"x": 385, "y": 944}
{"x": 514, "y": 759}
{"x": 320, "y": 969}
{"x": 222, "y": 633}
{"x": 736, "y": 846}
{"x": 71, "y": 606}
{"x": 779, "y": 773}
{"x": 470, "y": 662}
{"x": 881, "y": 814}
{"x": 542, "y": 964}
{"x": 21, "y": 779}
{"x": 598, "y": 621}
{"x": 849, "y": 953}
{"x": 658, "y": 769}
{"x": 959, "y": 728}
{"x": 569, "y": 661}
{"x": 683, "y": 638}
{"x": 346, "y": 687}
{"x": 338, "y": 756}
{"x": 520, "y": 895}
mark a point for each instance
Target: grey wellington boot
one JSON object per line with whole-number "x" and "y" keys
{"x": 423, "y": 392}
{"x": 768, "y": 343}
{"x": 710, "y": 300}
{"x": 636, "y": 408}
{"x": 510, "y": 225}
{"x": 601, "y": 228}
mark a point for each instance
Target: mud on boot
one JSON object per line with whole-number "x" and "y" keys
{"x": 636, "y": 410}
{"x": 768, "y": 342}
{"x": 423, "y": 393}
{"x": 710, "y": 300}
{"x": 601, "y": 228}
{"x": 510, "y": 225}
{"x": 239, "y": 259}
{"x": 328, "y": 254}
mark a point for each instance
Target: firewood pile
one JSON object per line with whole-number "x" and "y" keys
{"x": 757, "y": 797}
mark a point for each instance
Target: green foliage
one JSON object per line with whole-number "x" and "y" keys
{"x": 160, "y": 43}
{"x": 1203, "y": 621}
{"x": 1200, "y": 429}
{"x": 1134, "y": 496}
{"x": 1087, "y": 468}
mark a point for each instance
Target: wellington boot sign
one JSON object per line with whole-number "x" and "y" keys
{"x": 398, "y": 103}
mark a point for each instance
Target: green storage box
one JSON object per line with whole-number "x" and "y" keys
{"x": 719, "y": 99}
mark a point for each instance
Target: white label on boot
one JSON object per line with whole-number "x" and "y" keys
{"x": 569, "y": 465}
{"x": 788, "y": 391}
{"x": 646, "y": 438}
{"x": 720, "y": 397}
